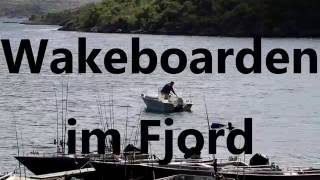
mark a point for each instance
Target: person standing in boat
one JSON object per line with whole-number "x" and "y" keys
{"x": 167, "y": 89}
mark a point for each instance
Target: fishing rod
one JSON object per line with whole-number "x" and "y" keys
{"x": 106, "y": 125}
{"x": 57, "y": 109}
{"x": 207, "y": 115}
{"x": 24, "y": 167}
{"x": 137, "y": 129}
{"x": 126, "y": 125}
{"x": 208, "y": 121}
{"x": 100, "y": 115}
{"x": 62, "y": 121}
{"x": 66, "y": 114}
{"x": 127, "y": 119}
{"x": 112, "y": 110}
{"x": 100, "y": 111}
{"x": 18, "y": 149}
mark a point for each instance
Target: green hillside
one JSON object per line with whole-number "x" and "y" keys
{"x": 200, "y": 17}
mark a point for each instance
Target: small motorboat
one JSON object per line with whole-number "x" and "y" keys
{"x": 47, "y": 164}
{"x": 161, "y": 105}
{"x": 232, "y": 169}
{"x": 55, "y": 163}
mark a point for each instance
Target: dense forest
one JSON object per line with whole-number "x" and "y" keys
{"x": 194, "y": 17}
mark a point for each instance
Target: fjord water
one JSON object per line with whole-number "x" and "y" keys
{"x": 285, "y": 108}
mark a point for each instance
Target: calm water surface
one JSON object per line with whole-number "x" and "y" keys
{"x": 285, "y": 108}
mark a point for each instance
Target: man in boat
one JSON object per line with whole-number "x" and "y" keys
{"x": 167, "y": 89}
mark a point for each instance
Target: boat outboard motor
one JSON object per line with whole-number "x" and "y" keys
{"x": 259, "y": 159}
{"x": 179, "y": 101}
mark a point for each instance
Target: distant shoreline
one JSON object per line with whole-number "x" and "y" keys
{"x": 62, "y": 28}
{"x": 25, "y": 21}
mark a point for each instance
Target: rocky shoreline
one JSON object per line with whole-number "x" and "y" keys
{"x": 204, "y": 32}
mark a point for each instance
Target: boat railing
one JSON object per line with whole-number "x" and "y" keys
{"x": 303, "y": 170}
{"x": 183, "y": 177}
